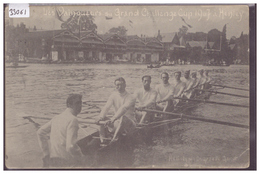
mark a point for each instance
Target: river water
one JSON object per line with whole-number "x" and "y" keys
{"x": 40, "y": 91}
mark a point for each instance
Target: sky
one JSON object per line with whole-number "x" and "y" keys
{"x": 148, "y": 19}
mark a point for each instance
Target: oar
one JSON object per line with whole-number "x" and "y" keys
{"x": 92, "y": 122}
{"x": 212, "y": 102}
{"x": 231, "y": 87}
{"x": 197, "y": 118}
{"x": 85, "y": 102}
{"x": 37, "y": 125}
{"x": 29, "y": 118}
{"x": 224, "y": 93}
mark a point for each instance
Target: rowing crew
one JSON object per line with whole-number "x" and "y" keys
{"x": 162, "y": 97}
{"x": 62, "y": 130}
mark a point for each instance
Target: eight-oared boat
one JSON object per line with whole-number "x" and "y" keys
{"x": 122, "y": 147}
{"x": 89, "y": 140}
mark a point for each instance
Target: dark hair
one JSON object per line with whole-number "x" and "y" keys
{"x": 72, "y": 98}
{"x": 165, "y": 74}
{"x": 193, "y": 74}
{"x": 201, "y": 71}
{"x": 146, "y": 76}
{"x": 120, "y": 79}
{"x": 177, "y": 72}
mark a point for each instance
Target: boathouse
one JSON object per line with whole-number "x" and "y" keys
{"x": 63, "y": 45}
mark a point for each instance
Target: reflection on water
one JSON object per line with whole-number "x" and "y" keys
{"x": 41, "y": 90}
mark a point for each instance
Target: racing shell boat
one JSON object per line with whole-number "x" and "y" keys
{"x": 89, "y": 141}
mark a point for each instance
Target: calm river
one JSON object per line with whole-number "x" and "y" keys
{"x": 40, "y": 90}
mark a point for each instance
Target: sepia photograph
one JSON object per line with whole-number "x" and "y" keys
{"x": 134, "y": 86}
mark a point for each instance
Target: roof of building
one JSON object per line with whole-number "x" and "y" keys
{"x": 168, "y": 37}
{"x": 47, "y": 34}
{"x": 108, "y": 38}
{"x": 175, "y": 46}
{"x": 151, "y": 39}
{"x": 131, "y": 37}
{"x": 201, "y": 44}
{"x": 105, "y": 36}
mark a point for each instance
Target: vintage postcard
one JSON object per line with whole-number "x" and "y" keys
{"x": 127, "y": 86}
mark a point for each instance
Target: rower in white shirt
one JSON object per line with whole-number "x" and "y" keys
{"x": 164, "y": 93}
{"x": 124, "y": 107}
{"x": 195, "y": 85}
{"x": 189, "y": 82}
{"x": 208, "y": 80}
{"x": 202, "y": 79}
{"x": 147, "y": 99}
{"x": 179, "y": 87}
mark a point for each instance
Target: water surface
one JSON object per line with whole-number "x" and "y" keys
{"x": 40, "y": 91}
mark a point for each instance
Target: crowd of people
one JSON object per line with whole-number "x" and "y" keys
{"x": 63, "y": 151}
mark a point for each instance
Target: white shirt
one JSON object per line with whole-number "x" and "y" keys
{"x": 144, "y": 97}
{"x": 179, "y": 86}
{"x": 202, "y": 80}
{"x": 188, "y": 83}
{"x": 196, "y": 82}
{"x": 118, "y": 101}
{"x": 208, "y": 79}
{"x": 163, "y": 90}
{"x": 63, "y": 131}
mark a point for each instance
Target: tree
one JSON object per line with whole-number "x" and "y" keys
{"x": 78, "y": 21}
{"x": 224, "y": 53}
{"x": 13, "y": 43}
{"x": 233, "y": 40}
{"x": 214, "y": 36}
{"x": 120, "y": 30}
{"x": 242, "y": 48}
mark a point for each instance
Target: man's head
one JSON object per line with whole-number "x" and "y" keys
{"x": 165, "y": 77}
{"x": 74, "y": 102}
{"x": 120, "y": 84}
{"x": 177, "y": 75}
{"x": 201, "y": 72}
{"x": 193, "y": 74}
{"x": 146, "y": 82}
{"x": 187, "y": 74}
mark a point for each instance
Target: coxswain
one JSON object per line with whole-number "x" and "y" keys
{"x": 58, "y": 137}
{"x": 146, "y": 96}
{"x": 123, "y": 121}
{"x": 189, "y": 83}
{"x": 164, "y": 93}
